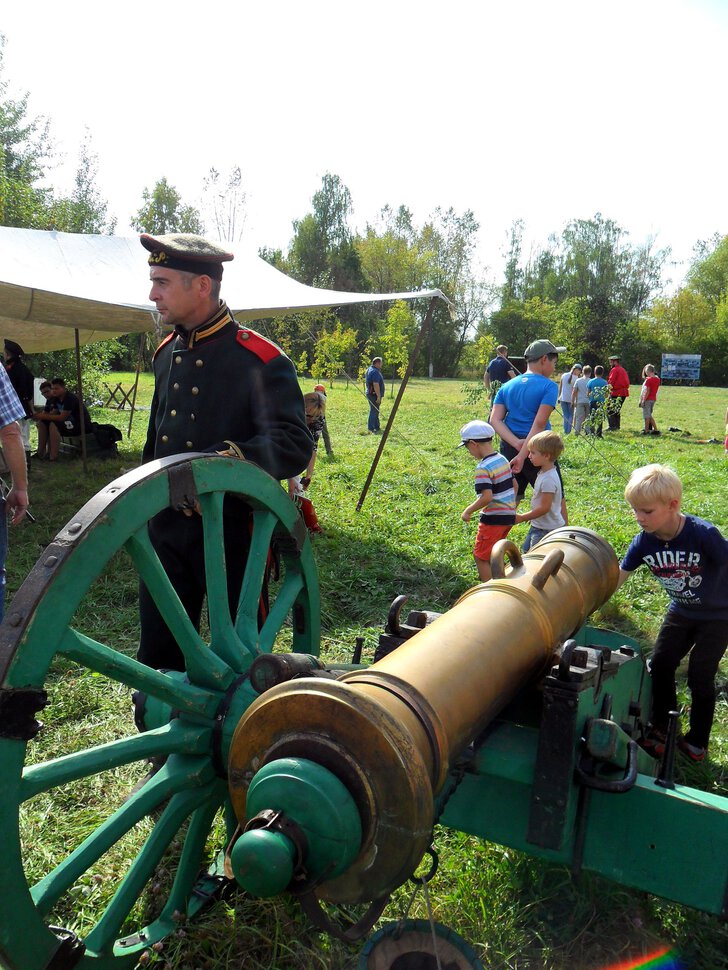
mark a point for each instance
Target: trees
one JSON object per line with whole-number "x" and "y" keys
{"x": 398, "y": 337}
{"x": 598, "y": 279}
{"x": 25, "y": 152}
{"x": 695, "y": 319}
{"x": 332, "y": 350}
{"x": 225, "y": 200}
{"x": 163, "y": 211}
{"x": 708, "y": 274}
{"x": 447, "y": 246}
{"x": 322, "y": 251}
{"x": 84, "y": 210}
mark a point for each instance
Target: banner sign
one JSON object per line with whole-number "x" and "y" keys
{"x": 680, "y": 367}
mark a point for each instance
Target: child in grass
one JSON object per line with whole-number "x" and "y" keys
{"x": 580, "y": 399}
{"x": 689, "y": 556}
{"x": 546, "y": 512}
{"x": 496, "y": 497}
{"x": 648, "y": 397}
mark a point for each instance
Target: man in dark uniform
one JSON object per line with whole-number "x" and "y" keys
{"x": 23, "y": 384}
{"x": 217, "y": 387}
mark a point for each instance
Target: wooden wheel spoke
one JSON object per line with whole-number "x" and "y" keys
{"x": 172, "y": 738}
{"x": 246, "y": 622}
{"x": 167, "y": 782}
{"x": 203, "y": 666}
{"x": 126, "y": 670}
{"x": 188, "y": 868}
{"x": 285, "y": 599}
{"x": 103, "y": 936}
{"x": 223, "y": 637}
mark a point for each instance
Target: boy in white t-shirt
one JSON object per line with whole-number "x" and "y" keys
{"x": 545, "y": 514}
{"x": 580, "y": 399}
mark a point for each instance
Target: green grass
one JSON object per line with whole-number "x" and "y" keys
{"x": 408, "y": 538}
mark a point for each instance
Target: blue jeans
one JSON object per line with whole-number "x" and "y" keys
{"x": 3, "y": 554}
{"x": 567, "y": 411}
{"x": 373, "y": 422}
{"x": 533, "y": 537}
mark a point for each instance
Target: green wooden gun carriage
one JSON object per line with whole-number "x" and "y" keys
{"x": 328, "y": 781}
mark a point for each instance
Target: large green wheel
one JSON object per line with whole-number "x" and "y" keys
{"x": 168, "y": 819}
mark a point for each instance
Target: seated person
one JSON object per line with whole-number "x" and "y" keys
{"x": 51, "y": 403}
{"x": 60, "y": 416}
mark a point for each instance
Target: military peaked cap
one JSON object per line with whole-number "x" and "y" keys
{"x": 15, "y": 349}
{"x": 184, "y": 251}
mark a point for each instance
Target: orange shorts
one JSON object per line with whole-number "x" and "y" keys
{"x": 487, "y": 537}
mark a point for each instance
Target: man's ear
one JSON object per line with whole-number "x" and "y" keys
{"x": 205, "y": 286}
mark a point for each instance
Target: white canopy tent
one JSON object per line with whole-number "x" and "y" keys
{"x": 53, "y": 284}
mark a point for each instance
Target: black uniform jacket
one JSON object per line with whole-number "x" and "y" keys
{"x": 226, "y": 382}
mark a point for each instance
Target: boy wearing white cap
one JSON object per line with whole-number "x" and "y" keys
{"x": 496, "y": 497}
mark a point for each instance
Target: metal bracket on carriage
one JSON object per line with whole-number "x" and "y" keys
{"x": 182, "y": 487}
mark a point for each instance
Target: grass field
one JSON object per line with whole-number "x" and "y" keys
{"x": 518, "y": 913}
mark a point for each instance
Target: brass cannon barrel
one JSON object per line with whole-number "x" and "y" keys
{"x": 390, "y": 733}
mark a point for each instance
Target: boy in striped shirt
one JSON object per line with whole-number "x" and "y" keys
{"x": 496, "y": 497}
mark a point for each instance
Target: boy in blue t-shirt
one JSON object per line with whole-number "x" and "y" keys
{"x": 496, "y": 497}
{"x": 689, "y": 556}
{"x": 597, "y": 388}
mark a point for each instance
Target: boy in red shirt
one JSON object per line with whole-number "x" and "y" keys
{"x": 648, "y": 396}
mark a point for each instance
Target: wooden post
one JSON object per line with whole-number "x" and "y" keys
{"x": 82, "y": 408}
{"x": 136, "y": 382}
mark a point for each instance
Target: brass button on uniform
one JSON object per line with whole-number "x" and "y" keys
{"x": 173, "y": 413}
{"x": 189, "y": 444}
{"x": 244, "y": 334}
{"x": 165, "y": 439}
{"x": 195, "y": 390}
{"x": 198, "y": 363}
{"x": 176, "y": 387}
{"x": 192, "y": 417}
{"x": 178, "y": 359}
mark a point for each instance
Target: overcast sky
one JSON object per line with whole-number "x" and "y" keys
{"x": 544, "y": 110}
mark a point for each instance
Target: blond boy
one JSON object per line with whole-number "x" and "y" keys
{"x": 648, "y": 398}
{"x": 495, "y": 493}
{"x": 548, "y": 511}
{"x": 689, "y": 556}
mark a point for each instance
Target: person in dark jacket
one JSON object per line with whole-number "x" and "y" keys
{"x": 218, "y": 387}
{"x": 22, "y": 380}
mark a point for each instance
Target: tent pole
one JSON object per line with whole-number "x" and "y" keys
{"x": 426, "y": 324}
{"x": 82, "y": 409}
{"x": 136, "y": 383}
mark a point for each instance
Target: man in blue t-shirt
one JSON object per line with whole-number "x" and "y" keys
{"x": 498, "y": 371}
{"x": 522, "y": 408}
{"x": 374, "y": 383}
{"x": 689, "y": 557}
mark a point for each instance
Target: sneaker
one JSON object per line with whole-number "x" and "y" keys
{"x": 690, "y": 751}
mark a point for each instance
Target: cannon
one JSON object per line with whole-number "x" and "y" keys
{"x": 507, "y": 717}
